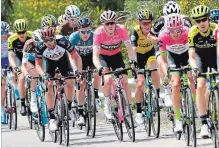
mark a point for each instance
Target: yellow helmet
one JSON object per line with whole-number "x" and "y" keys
{"x": 200, "y": 11}
{"x": 20, "y": 25}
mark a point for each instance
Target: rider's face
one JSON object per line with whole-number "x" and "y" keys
{"x": 110, "y": 27}
{"x": 85, "y": 33}
{"x": 146, "y": 25}
{"x": 203, "y": 24}
{"x": 49, "y": 42}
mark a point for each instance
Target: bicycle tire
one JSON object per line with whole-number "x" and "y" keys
{"x": 9, "y": 109}
{"x": 147, "y": 121}
{"x": 117, "y": 126}
{"x": 29, "y": 114}
{"x": 65, "y": 123}
{"x": 39, "y": 127}
{"x": 192, "y": 122}
{"x": 129, "y": 123}
{"x": 184, "y": 115}
{"x": 92, "y": 114}
{"x": 54, "y": 135}
{"x": 60, "y": 115}
{"x": 14, "y": 111}
{"x": 213, "y": 117}
{"x": 87, "y": 112}
{"x": 155, "y": 110}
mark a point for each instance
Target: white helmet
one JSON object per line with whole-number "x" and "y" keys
{"x": 72, "y": 11}
{"x": 171, "y": 7}
{"x": 36, "y": 36}
{"x": 62, "y": 18}
{"x": 108, "y": 16}
{"x": 4, "y": 26}
{"x": 174, "y": 21}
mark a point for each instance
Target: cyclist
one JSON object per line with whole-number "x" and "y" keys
{"x": 82, "y": 41}
{"x": 107, "y": 53}
{"x": 173, "y": 43}
{"x": 214, "y": 15}
{"x": 145, "y": 57}
{"x": 72, "y": 13}
{"x": 169, "y": 8}
{"x": 54, "y": 49}
{"x": 61, "y": 19}
{"x": 202, "y": 54}
{"x": 15, "y": 47}
{"x": 49, "y": 21}
{"x": 4, "y": 63}
{"x": 28, "y": 63}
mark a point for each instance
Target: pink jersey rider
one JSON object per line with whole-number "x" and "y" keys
{"x": 110, "y": 45}
{"x": 177, "y": 46}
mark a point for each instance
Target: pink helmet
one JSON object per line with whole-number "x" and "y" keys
{"x": 173, "y": 21}
{"x": 48, "y": 32}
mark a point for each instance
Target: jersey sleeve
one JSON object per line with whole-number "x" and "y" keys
{"x": 97, "y": 38}
{"x": 191, "y": 35}
{"x": 161, "y": 41}
{"x": 124, "y": 34}
{"x": 73, "y": 39}
{"x": 10, "y": 43}
{"x": 158, "y": 25}
{"x": 134, "y": 38}
{"x": 38, "y": 52}
{"x": 63, "y": 42}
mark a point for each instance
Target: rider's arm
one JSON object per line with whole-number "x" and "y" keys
{"x": 39, "y": 66}
{"x": 96, "y": 53}
{"x": 127, "y": 42}
{"x": 76, "y": 60}
{"x": 192, "y": 59}
{"x": 11, "y": 56}
{"x": 163, "y": 53}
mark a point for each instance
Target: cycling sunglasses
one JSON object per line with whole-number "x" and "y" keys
{"x": 22, "y": 32}
{"x": 48, "y": 40}
{"x": 175, "y": 31}
{"x": 109, "y": 23}
{"x": 4, "y": 32}
{"x": 201, "y": 20}
{"x": 85, "y": 31}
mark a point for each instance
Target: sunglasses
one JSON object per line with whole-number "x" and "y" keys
{"x": 145, "y": 23}
{"x": 109, "y": 23}
{"x": 4, "y": 32}
{"x": 22, "y": 32}
{"x": 85, "y": 31}
{"x": 175, "y": 31}
{"x": 48, "y": 40}
{"x": 201, "y": 20}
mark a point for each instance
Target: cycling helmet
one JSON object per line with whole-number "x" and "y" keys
{"x": 108, "y": 16}
{"x": 47, "y": 32}
{"x": 62, "y": 18}
{"x": 214, "y": 15}
{"x": 145, "y": 15}
{"x": 4, "y": 26}
{"x": 84, "y": 22}
{"x": 200, "y": 11}
{"x": 173, "y": 21}
{"x": 36, "y": 35}
{"x": 48, "y": 20}
{"x": 20, "y": 25}
{"x": 171, "y": 7}
{"x": 72, "y": 11}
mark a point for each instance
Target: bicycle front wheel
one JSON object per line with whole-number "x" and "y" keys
{"x": 92, "y": 112}
{"x": 13, "y": 112}
{"x": 191, "y": 117}
{"x": 117, "y": 125}
{"x": 127, "y": 113}
{"x": 213, "y": 117}
{"x": 155, "y": 112}
{"x": 29, "y": 114}
{"x": 65, "y": 123}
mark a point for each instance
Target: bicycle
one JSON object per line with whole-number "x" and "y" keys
{"x": 90, "y": 103}
{"x": 62, "y": 110}
{"x": 186, "y": 106}
{"x": 150, "y": 104}
{"x": 27, "y": 100}
{"x": 121, "y": 109}
{"x": 212, "y": 106}
{"x": 40, "y": 118}
{"x": 10, "y": 106}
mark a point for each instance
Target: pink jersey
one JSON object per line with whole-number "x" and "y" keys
{"x": 178, "y": 46}
{"x": 110, "y": 45}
